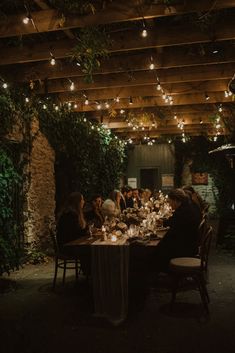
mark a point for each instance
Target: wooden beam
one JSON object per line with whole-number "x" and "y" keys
{"x": 196, "y": 98}
{"x": 173, "y": 89}
{"x": 143, "y": 78}
{"x": 171, "y": 57}
{"x": 123, "y": 41}
{"x": 52, "y": 20}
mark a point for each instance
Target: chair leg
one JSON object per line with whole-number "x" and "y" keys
{"x": 64, "y": 271}
{"x": 55, "y": 274}
{"x": 202, "y": 289}
{"x": 175, "y": 284}
{"x": 76, "y": 268}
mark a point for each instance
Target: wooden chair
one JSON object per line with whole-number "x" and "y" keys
{"x": 193, "y": 267}
{"x": 64, "y": 261}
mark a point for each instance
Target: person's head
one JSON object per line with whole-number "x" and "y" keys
{"x": 135, "y": 193}
{"x": 147, "y": 193}
{"x": 189, "y": 188}
{"x": 97, "y": 201}
{"x": 75, "y": 201}
{"x": 129, "y": 192}
{"x": 115, "y": 195}
{"x": 124, "y": 190}
{"x": 176, "y": 197}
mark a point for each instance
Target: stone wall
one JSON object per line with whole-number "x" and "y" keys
{"x": 40, "y": 197}
{"x": 209, "y": 193}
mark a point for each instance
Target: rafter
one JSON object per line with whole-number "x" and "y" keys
{"x": 135, "y": 61}
{"x": 124, "y": 41}
{"x": 143, "y": 78}
{"x": 52, "y": 20}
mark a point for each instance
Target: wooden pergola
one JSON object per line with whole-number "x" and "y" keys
{"x": 192, "y": 66}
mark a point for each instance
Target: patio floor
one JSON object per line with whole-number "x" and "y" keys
{"x": 35, "y": 319}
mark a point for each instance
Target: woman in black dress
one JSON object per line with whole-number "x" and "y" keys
{"x": 71, "y": 223}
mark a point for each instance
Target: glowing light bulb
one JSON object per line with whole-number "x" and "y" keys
{"x": 99, "y": 106}
{"x": 26, "y": 20}
{"x": 86, "y": 101}
{"x": 27, "y": 100}
{"x": 144, "y": 33}
{"x": 72, "y": 86}
{"x": 4, "y": 85}
{"x": 158, "y": 87}
{"x": 152, "y": 66}
{"x": 75, "y": 106}
{"x": 52, "y": 61}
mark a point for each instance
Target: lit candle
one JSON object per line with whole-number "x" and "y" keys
{"x": 113, "y": 238}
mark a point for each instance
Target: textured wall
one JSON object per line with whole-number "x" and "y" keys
{"x": 209, "y": 193}
{"x": 40, "y": 199}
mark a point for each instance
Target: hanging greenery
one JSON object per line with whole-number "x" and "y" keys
{"x": 92, "y": 46}
{"x": 92, "y": 155}
{"x": 9, "y": 249}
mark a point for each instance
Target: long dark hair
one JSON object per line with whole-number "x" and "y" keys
{"x": 73, "y": 204}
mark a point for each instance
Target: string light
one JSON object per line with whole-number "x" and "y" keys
{"x": 107, "y": 105}
{"x": 207, "y": 97}
{"x": 44, "y": 106}
{"x": 27, "y": 100}
{"x": 201, "y": 122}
{"x": 86, "y": 101}
{"x": 56, "y": 108}
{"x": 75, "y": 106}
{"x": 159, "y": 86}
{"x": 122, "y": 111}
{"x": 4, "y": 85}
{"x": 220, "y": 108}
{"x": 130, "y": 101}
{"x": 226, "y": 94}
{"x": 98, "y": 106}
{"x": 117, "y": 99}
{"x": 72, "y": 86}
{"x": 52, "y": 60}
{"x": 144, "y": 32}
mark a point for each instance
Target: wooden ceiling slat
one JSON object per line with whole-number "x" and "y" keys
{"x": 150, "y": 90}
{"x": 123, "y": 41}
{"x": 169, "y": 58}
{"x": 142, "y": 78}
{"x": 51, "y": 20}
{"x": 196, "y": 98}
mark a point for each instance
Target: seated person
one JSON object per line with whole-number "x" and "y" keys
{"x": 136, "y": 198}
{"x": 111, "y": 206}
{"x": 123, "y": 197}
{"x": 181, "y": 238}
{"x": 71, "y": 222}
{"x": 196, "y": 198}
{"x": 95, "y": 216}
{"x": 129, "y": 199}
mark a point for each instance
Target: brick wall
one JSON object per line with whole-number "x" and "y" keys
{"x": 40, "y": 196}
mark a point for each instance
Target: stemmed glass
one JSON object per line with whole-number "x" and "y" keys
{"x": 91, "y": 230}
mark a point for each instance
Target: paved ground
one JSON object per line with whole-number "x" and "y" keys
{"x": 34, "y": 319}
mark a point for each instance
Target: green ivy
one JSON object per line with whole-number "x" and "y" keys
{"x": 92, "y": 46}
{"x": 93, "y": 156}
{"x": 9, "y": 249}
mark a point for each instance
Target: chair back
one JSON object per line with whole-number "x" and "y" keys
{"x": 54, "y": 241}
{"x": 202, "y": 229}
{"x": 205, "y": 248}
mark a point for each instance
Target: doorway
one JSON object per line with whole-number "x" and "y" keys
{"x": 149, "y": 178}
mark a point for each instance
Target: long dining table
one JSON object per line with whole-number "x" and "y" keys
{"x": 108, "y": 264}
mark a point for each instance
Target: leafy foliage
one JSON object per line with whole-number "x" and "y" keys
{"x": 9, "y": 253}
{"x": 92, "y": 45}
{"x": 90, "y": 156}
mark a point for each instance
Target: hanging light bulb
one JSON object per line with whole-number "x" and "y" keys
{"x": 207, "y": 97}
{"x": 86, "y": 101}
{"x": 175, "y": 116}
{"x": 226, "y": 94}
{"x": 152, "y": 66}
{"x": 56, "y": 108}
{"x": 75, "y": 106}
{"x": 144, "y": 32}
{"x": 122, "y": 111}
{"x": 27, "y": 19}
{"x": 52, "y": 60}
{"x": 158, "y": 86}
{"x": 117, "y": 99}
{"x": 98, "y": 106}
{"x": 27, "y": 100}
{"x": 44, "y": 106}
{"x": 220, "y": 109}
{"x": 72, "y": 86}
{"x": 230, "y": 93}
{"x": 201, "y": 122}
{"x": 130, "y": 100}
{"x": 164, "y": 96}
{"x": 4, "y": 85}
{"x": 107, "y": 105}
